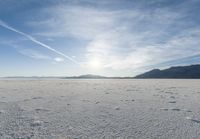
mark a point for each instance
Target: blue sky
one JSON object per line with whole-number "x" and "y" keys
{"x": 107, "y": 37}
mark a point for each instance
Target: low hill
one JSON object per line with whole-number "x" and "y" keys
{"x": 87, "y": 76}
{"x": 179, "y": 72}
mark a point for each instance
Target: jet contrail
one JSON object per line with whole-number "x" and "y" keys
{"x": 3, "y": 24}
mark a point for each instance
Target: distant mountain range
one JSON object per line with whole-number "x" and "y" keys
{"x": 87, "y": 76}
{"x": 91, "y": 76}
{"x": 179, "y": 72}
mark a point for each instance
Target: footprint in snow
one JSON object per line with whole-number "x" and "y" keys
{"x": 37, "y": 98}
{"x": 192, "y": 119}
{"x": 169, "y": 92}
{"x": 175, "y": 109}
{"x": 25, "y": 100}
{"x": 172, "y": 101}
{"x": 164, "y": 109}
{"x": 172, "y": 97}
{"x": 41, "y": 110}
{"x": 85, "y": 100}
{"x": 129, "y": 90}
{"x": 128, "y": 100}
{"x": 36, "y": 123}
{"x": 187, "y": 110}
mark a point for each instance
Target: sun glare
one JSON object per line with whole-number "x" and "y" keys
{"x": 95, "y": 64}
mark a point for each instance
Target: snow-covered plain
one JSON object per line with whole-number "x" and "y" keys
{"x": 99, "y": 109}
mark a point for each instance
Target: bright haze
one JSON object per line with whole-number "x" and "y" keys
{"x": 105, "y": 37}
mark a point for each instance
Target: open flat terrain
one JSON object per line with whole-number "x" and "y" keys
{"x": 99, "y": 109}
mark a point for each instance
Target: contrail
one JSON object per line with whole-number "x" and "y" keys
{"x": 3, "y": 24}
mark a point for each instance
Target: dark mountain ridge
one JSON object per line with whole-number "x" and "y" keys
{"x": 179, "y": 72}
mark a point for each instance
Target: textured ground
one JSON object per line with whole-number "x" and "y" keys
{"x": 99, "y": 109}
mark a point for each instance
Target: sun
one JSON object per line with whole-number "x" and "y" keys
{"x": 95, "y": 64}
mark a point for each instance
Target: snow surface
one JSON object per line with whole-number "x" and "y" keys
{"x": 99, "y": 109}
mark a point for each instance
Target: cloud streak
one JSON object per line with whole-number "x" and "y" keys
{"x": 3, "y": 24}
{"x": 126, "y": 39}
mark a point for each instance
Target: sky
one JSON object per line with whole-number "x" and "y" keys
{"x": 104, "y": 37}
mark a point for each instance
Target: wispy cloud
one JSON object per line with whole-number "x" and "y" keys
{"x": 39, "y": 56}
{"x": 125, "y": 39}
{"x": 3, "y": 24}
{"x": 58, "y": 59}
{"x": 34, "y": 54}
